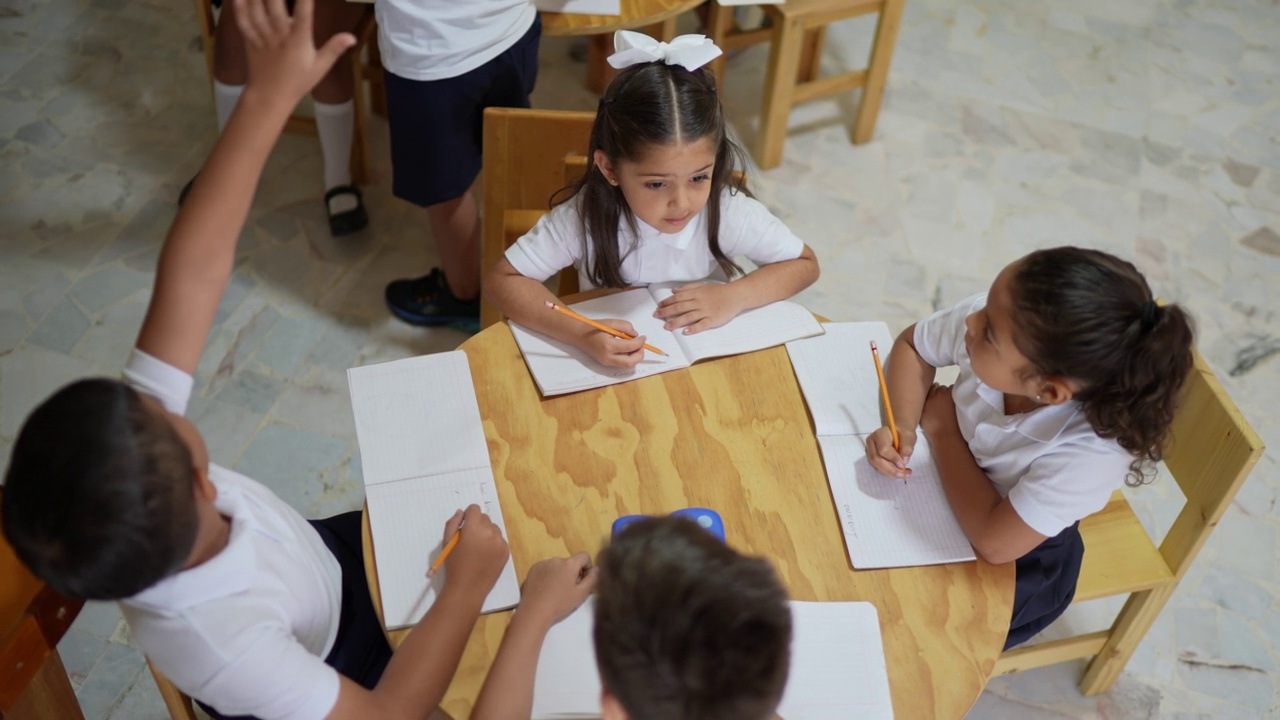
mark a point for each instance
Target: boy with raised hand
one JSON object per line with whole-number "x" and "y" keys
{"x": 110, "y": 494}
{"x": 685, "y": 628}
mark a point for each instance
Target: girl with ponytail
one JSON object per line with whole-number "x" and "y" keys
{"x": 1069, "y": 379}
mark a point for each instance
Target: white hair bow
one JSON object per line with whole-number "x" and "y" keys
{"x": 688, "y": 51}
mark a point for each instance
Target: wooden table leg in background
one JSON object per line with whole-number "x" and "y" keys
{"x": 49, "y": 695}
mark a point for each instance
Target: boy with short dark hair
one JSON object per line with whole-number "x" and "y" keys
{"x": 686, "y": 628}
{"x": 242, "y": 603}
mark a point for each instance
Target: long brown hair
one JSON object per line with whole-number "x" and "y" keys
{"x": 1090, "y": 316}
{"x": 647, "y": 105}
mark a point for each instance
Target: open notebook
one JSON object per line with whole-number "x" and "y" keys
{"x": 887, "y": 522}
{"x": 559, "y": 368}
{"x": 837, "y": 666}
{"x": 424, "y": 456}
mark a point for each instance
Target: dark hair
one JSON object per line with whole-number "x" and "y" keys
{"x": 1090, "y": 316}
{"x": 688, "y": 629}
{"x": 646, "y": 105}
{"x": 99, "y": 499}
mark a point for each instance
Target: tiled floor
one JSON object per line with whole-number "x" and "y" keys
{"x": 1145, "y": 127}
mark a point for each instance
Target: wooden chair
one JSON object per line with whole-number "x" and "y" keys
{"x": 526, "y": 160}
{"x": 365, "y": 65}
{"x": 796, "y": 32}
{"x": 179, "y": 704}
{"x": 1211, "y": 451}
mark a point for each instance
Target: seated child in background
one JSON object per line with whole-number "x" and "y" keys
{"x": 685, "y": 628}
{"x": 659, "y": 203}
{"x": 110, "y": 494}
{"x": 1069, "y": 377}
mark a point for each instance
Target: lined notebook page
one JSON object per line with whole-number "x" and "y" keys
{"x": 424, "y": 457}
{"x": 837, "y": 664}
{"x": 763, "y": 327}
{"x": 559, "y": 367}
{"x": 889, "y": 522}
{"x": 838, "y": 376}
{"x": 886, "y": 522}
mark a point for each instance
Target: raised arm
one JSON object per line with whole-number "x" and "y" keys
{"x": 196, "y": 260}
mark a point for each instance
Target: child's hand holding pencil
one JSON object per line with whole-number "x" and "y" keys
{"x": 888, "y": 449}
{"x": 474, "y": 552}
{"x": 616, "y": 344}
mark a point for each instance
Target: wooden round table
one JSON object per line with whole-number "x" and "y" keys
{"x": 652, "y": 17}
{"x": 731, "y": 434}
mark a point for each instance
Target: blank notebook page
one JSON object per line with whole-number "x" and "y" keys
{"x": 567, "y": 683}
{"x": 424, "y": 457}
{"x": 837, "y": 664}
{"x": 839, "y": 378}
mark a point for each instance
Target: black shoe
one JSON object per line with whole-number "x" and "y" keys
{"x": 185, "y": 191}
{"x": 347, "y": 221}
{"x": 428, "y": 301}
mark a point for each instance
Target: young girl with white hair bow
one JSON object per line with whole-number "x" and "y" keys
{"x": 641, "y": 214}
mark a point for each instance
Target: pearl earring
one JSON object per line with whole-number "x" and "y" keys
{"x": 1037, "y": 398}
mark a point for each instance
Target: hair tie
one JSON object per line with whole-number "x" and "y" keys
{"x": 1149, "y": 315}
{"x": 688, "y": 51}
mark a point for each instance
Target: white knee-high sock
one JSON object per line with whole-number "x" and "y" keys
{"x": 225, "y": 98}
{"x": 335, "y": 123}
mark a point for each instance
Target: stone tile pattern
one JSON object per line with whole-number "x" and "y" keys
{"x": 1149, "y": 128}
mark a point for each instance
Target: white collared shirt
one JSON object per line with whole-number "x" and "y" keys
{"x": 439, "y": 39}
{"x": 1049, "y": 462}
{"x": 246, "y": 631}
{"x": 747, "y": 229}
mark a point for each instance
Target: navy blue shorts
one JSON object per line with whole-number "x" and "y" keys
{"x": 360, "y": 652}
{"x": 437, "y": 125}
{"x": 1046, "y": 584}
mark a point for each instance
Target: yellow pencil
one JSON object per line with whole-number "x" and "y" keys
{"x": 600, "y": 326}
{"x": 884, "y": 393}
{"x": 444, "y": 554}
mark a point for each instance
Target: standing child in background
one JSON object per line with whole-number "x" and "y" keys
{"x": 1069, "y": 377}
{"x": 659, "y": 203}
{"x": 331, "y": 99}
{"x": 228, "y": 591}
{"x": 685, "y": 628}
{"x": 446, "y": 61}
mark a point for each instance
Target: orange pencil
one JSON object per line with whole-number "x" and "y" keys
{"x": 444, "y": 554}
{"x": 601, "y": 326}
{"x": 884, "y": 393}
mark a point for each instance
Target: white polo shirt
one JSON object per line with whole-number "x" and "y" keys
{"x": 1049, "y": 462}
{"x": 439, "y": 39}
{"x": 747, "y": 229}
{"x": 248, "y": 630}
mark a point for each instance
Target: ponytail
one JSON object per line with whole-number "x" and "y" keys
{"x": 1089, "y": 316}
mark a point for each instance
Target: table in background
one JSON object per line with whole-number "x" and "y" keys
{"x": 652, "y": 17}
{"x": 734, "y": 435}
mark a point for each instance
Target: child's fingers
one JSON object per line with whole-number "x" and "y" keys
{"x": 246, "y": 19}
{"x": 703, "y": 324}
{"x": 333, "y": 49}
{"x": 278, "y": 17}
{"x": 303, "y": 14}
{"x": 452, "y": 524}
{"x": 621, "y": 325}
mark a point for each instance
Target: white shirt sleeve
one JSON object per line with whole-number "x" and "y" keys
{"x": 748, "y": 229}
{"x": 939, "y": 338}
{"x": 274, "y": 678}
{"x": 166, "y": 383}
{"x": 1066, "y": 485}
{"x": 553, "y": 244}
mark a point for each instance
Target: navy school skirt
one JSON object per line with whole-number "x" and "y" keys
{"x": 1046, "y": 584}
{"x": 360, "y": 652}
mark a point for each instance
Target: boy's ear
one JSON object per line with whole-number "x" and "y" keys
{"x": 610, "y": 708}
{"x": 605, "y": 166}
{"x": 204, "y": 487}
{"x": 1056, "y": 390}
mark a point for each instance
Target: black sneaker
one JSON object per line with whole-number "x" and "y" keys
{"x": 428, "y": 301}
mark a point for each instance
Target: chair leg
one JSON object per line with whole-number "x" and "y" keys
{"x": 1131, "y": 625}
{"x": 719, "y": 27}
{"x": 811, "y": 58}
{"x": 179, "y": 705}
{"x": 779, "y": 84}
{"x": 204, "y": 15}
{"x": 360, "y": 174}
{"x": 878, "y": 70}
{"x": 599, "y": 48}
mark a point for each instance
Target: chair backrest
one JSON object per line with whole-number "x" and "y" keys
{"x": 1211, "y": 450}
{"x": 524, "y": 165}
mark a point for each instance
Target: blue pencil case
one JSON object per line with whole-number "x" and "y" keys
{"x": 707, "y": 519}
